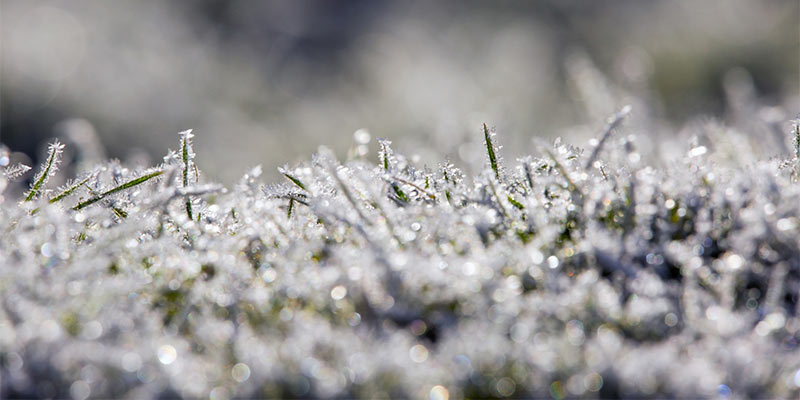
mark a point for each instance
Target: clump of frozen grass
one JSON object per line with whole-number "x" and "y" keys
{"x": 565, "y": 275}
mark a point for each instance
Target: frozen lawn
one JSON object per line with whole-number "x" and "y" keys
{"x": 571, "y": 273}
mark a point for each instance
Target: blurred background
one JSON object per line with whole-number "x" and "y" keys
{"x": 267, "y": 82}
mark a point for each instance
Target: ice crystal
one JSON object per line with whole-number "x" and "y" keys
{"x": 15, "y": 171}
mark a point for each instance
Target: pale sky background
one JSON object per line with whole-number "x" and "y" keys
{"x": 267, "y": 82}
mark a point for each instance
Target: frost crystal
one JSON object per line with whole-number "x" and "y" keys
{"x": 15, "y": 171}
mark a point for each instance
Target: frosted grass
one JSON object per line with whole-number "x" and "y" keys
{"x": 561, "y": 275}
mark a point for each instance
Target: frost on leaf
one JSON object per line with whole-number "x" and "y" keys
{"x": 47, "y": 170}
{"x": 386, "y": 154}
{"x": 189, "y": 173}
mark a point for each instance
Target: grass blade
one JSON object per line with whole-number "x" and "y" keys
{"x": 415, "y": 186}
{"x": 187, "y": 156}
{"x": 285, "y": 172}
{"x": 796, "y": 137}
{"x": 612, "y": 124}
{"x": 385, "y": 154}
{"x": 291, "y": 207}
{"x": 126, "y": 185}
{"x": 515, "y": 203}
{"x": 69, "y": 190}
{"x": 48, "y": 169}
{"x": 487, "y": 135}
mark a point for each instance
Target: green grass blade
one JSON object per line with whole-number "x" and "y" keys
{"x": 415, "y": 186}
{"x": 490, "y": 150}
{"x": 401, "y": 195}
{"x": 385, "y": 154}
{"x": 186, "y": 156}
{"x": 48, "y": 169}
{"x": 295, "y": 181}
{"x": 126, "y": 185}
{"x": 189, "y": 208}
{"x": 120, "y": 213}
{"x": 796, "y": 138}
{"x": 515, "y": 203}
{"x": 291, "y": 207}
{"x": 68, "y": 191}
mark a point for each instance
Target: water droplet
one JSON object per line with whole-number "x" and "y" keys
{"x": 338, "y": 292}
{"x": 505, "y": 387}
{"x": 469, "y": 268}
{"x": 269, "y": 275}
{"x": 418, "y": 327}
{"x": 92, "y": 330}
{"x": 80, "y": 390}
{"x": 734, "y": 261}
{"x": 418, "y": 353}
{"x": 775, "y": 320}
{"x": 697, "y": 151}
{"x": 167, "y": 354}
{"x": 219, "y": 393}
{"x": 240, "y": 372}
{"x": 593, "y": 382}
{"x": 786, "y": 224}
{"x": 362, "y": 136}
{"x": 439, "y": 392}
{"x": 47, "y": 250}
{"x": 536, "y": 256}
